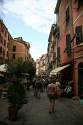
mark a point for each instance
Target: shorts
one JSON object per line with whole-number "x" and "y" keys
{"x": 52, "y": 96}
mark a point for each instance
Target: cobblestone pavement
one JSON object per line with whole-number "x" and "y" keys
{"x": 66, "y": 112}
{"x": 35, "y": 112}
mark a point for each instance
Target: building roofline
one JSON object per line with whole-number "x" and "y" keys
{"x": 51, "y": 30}
{"x": 19, "y": 39}
{"x": 1, "y": 20}
{"x": 57, "y": 7}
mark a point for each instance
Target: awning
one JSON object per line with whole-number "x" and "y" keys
{"x": 3, "y": 68}
{"x": 52, "y": 73}
{"x": 1, "y": 75}
{"x": 55, "y": 71}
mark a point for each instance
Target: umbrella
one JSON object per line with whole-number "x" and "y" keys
{"x": 3, "y": 68}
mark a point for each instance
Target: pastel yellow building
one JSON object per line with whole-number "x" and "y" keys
{"x": 19, "y": 48}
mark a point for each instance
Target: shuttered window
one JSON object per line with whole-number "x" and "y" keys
{"x": 54, "y": 57}
{"x": 54, "y": 32}
{"x": 58, "y": 53}
{"x": 7, "y": 53}
{"x": 68, "y": 43}
{"x": 4, "y": 42}
{"x": 78, "y": 31}
{"x": 67, "y": 14}
{"x": 50, "y": 65}
{"x": 80, "y": 3}
{"x": 57, "y": 32}
{"x": 1, "y": 38}
{"x": 0, "y": 49}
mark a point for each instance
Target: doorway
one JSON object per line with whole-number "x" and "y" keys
{"x": 80, "y": 78}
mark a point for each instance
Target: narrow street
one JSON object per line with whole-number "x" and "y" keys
{"x": 65, "y": 114}
{"x": 35, "y": 112}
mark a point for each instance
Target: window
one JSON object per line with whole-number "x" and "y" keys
{"x": 68, "y": 43}
{"x": 56, "y": 32}
{"x": 58, "y": 53}
{"x": 2, "y": 30}
{"x": 50, "y": 65}
{"x": 43, "y": 62}
{"x": 7, "y": 45}
{"x": 54, "y": 57}
{"x": 1, "y": 39}
{"x": 7, "y": 53}
{"x": 3, "y": 52}
{"x": 5, "y": 33}
{"x": 0, "y": 49}
{"x": 67, "y": 16}
{"x": 4, "y": 42}
{"x": 14, "y": 48}
{"x": 80, "y": 2}
{"x": 78, "y": 31}
{"x": 13, "y": 56}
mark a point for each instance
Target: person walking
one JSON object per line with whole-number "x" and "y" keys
{"x": 58, "y": 86}
{"x": 52, "y": 95}
{"x": 38, "y": 87}
{"x": 33, "y": 86}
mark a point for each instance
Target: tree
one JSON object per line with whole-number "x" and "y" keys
{"x": 31, "y": 70}
{"x": 19, "y": 67}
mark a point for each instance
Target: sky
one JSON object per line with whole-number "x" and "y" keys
{"x": 31, "y": 20}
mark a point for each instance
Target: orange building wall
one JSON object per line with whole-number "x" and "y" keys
{"x": 3, "y": 39}
{"x": 21, "y": 50}
{"x": 78, "y": 49}
{"x": 64, "y": 30}
{"x": 76, "y": 19}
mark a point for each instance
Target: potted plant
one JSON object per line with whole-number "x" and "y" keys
{"x": 16, "y": 98}
{"x": 16, "y": 90}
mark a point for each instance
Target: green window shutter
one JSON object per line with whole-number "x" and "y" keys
{"x": 7, "y": 53}
{"x": 78, "y": 34}
{"x": 54, "y": 57}
{"x": 67, "y": 14}
{"x": 50, "y": 65}
{"x": 68, "y": 43}
{"x": 58, "y": 32}
{"x": 73, "y": 38}
{"x": 0, "y": 49}
{"x": 54, "y": 32}
{"x": 58, "y": 53}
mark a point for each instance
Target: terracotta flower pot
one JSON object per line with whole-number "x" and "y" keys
{"x": 12, "y": 113}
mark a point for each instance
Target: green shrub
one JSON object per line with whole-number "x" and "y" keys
{"x": 2, "y": 123}
{"x": 16, "y": 95}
